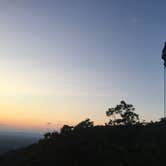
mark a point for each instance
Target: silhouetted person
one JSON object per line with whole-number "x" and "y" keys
{"x": 164, "y": 54}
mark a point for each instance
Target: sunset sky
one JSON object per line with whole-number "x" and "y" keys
{"x": 62, "y": 61}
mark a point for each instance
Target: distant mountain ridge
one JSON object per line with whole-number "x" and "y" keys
{"x": 15, "y": 133}
{"x": 14, "y": 140}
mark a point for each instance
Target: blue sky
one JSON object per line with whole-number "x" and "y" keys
{"x": 63, "y": 61}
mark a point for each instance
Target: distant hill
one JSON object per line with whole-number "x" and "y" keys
{"x": 98, "y": 146}
{"x": 11, "y": 140}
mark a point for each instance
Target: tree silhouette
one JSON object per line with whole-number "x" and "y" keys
{"x": 66, "y": 129}
{"x": 50, "y": 135}
{"x": 47, "y": 135}
{"x": 122, "y": 114}
{"x": 54, "y": 134}
{"x": 84, "y": 124}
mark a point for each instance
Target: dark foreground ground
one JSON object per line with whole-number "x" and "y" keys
{"x": 98, "y": 146}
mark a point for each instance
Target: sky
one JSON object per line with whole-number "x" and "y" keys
{"x": 64, "y": 61}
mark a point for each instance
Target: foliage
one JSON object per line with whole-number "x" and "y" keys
{"x": 47, "y": 135}
{"x": 66, "y": 129}
{"x": 119, "y": 143}
{"x": 122, "y": 114}
{"x": 84, "y": 124}
{"x": 51, "y": 135}
{"x": 98, "y": 145}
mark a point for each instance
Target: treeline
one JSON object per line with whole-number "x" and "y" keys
{"x": 121, "y": 115}
{"x": 123, "y": 141}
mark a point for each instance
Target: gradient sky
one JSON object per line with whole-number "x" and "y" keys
{"x": 63, "y": 61}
